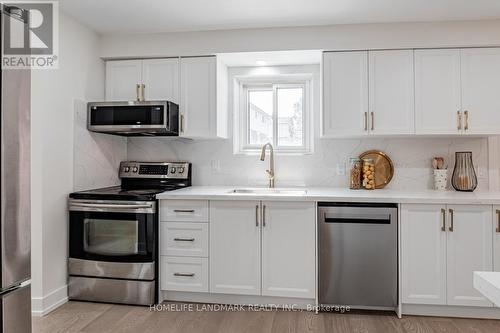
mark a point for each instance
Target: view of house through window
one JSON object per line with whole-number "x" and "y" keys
{"x": 275, "y": 113}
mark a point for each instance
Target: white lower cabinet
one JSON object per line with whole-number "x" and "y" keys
{"x": 288, "y": 249}
{"x": 184, "y": 274}
{"x": 235, "y": 247}
{"x": 469, "y": 249}
{"x": 441, "y": 247}
{"x": 496, "y": 239}
{"x": 184, "y": 239}
{"x": 263, "y": 248}
{"x": 423, "y": 254}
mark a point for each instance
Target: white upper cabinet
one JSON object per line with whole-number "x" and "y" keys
{"x": 437, "y": 91}
{"x": 151, "y": 79}
{"x": 345, "y": 93}
{"x": 235, "y": 247}
{"x": 199, "y": 85}
{"x": 122, "y": 79}
{"x": 469, "y": 249}
{"x": 161, "y": 79}
{"x": 288, "y": 249}
{"x": 480, "y": 70}
{"x": 423, "y": 251}
{"x": 391, "y": 92}
{"x": 198, "y": 104}
{"x": 496, "y": 239}
{"x": 423, "y": 92}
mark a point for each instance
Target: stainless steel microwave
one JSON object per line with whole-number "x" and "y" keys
{"x": 149, "y": 118}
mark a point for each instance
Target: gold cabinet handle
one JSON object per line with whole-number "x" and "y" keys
{"x": 498, "y": 221}
{"x": 143, "y": 96}
{"x": 256, "y": 215}
{"x": 373, "y": 120}
{"x": 466, "y": 116}
{"x": 366, "y": 121}
{"x": 443, "y": 214}
{"x": 451, "y": 220}
{"x": 263, "y": 215}
{"x": 138, "y": 92}
{"x": 459, "y": 120}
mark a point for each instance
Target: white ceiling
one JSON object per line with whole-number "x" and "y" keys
{"x": 130, "y": 16}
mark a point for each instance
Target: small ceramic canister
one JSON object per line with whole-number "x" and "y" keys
{"x": 440, "y": 179}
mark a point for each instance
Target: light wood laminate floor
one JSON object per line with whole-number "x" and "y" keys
{"x": 102, "y": 318}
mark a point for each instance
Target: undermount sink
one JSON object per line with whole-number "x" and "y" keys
{"x": 284, "y": 191}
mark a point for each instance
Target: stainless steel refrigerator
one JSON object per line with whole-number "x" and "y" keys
{"x": 15, "y": 292}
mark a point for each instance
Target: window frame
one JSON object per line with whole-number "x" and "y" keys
{"x": 242, "y": 128}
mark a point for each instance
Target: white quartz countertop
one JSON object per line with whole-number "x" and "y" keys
{"x": 336, "y": 194}
{"x": 488, "y": 284}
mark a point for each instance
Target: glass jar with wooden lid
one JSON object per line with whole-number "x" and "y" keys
{"x": 369, "y": 173}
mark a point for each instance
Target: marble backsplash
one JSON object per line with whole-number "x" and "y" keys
{"x": 96, "y": 156}
{"x": 215, "y": 164}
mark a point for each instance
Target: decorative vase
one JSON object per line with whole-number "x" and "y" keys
{"x": 464, "y": 177}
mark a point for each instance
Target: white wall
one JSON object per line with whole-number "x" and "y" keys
{"x": 412, "y": 165}
{"x": 334, "y": 37}
{"x": 54, "y": 92}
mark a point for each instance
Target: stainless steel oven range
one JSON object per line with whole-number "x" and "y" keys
{"x": 113, "y": 234}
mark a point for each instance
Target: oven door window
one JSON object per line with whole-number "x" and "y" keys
{"x": 111, "y": 237}
{"x": 115, "y": 237}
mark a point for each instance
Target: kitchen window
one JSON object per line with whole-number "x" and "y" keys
{"x": 275, "y": 112}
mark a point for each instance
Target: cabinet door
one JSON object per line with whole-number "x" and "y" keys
{"x": 496, "y": 239}
{"x": 122, "y": 78}
{"x": 161, "y": 79}
{"x": 198, "y": 97}
{"x": 469, "y": 249}
{"x": 345, "y": 93}
{"x": 235, "y": 247}
{"x": 423, "y": 251}
{"x": 391, "y": 93}
{"x": 437, "y": 91}
{"x": 480, "y": 81}
{"x": 288, "y": 249}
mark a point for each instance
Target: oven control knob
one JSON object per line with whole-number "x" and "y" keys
{"x": 126, "y": 169}
{"x": 181, "y": 170}
{"x": 135, "y": 169}
{"x": 173, "y": 170}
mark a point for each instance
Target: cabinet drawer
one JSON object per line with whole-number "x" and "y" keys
{"x": 184, "y": 211}
{"x": 184, "y": 239}
{"x": 184, "y": 274}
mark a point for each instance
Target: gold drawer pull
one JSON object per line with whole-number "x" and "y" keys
{"x": 184, "y": 274}
{"x": 184, "y": 239}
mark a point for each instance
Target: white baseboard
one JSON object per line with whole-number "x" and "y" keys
{"x": 451, "y": 311}
{"x": 40, "y": 306}
{"x": 202, "y": 297}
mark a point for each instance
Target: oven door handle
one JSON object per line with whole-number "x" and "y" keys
{"x": 91, "y": 205}
{"x": 113, "y": 207}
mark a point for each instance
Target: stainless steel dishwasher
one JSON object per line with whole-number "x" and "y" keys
{"x": 358, "y": 255}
